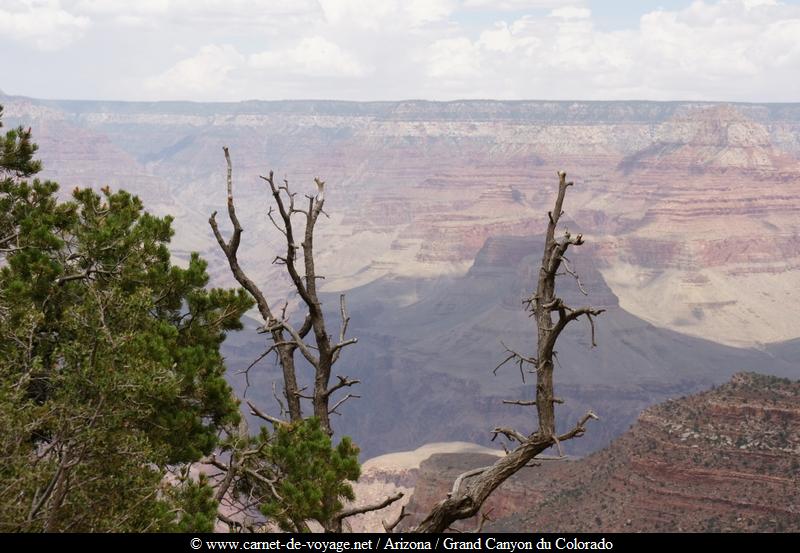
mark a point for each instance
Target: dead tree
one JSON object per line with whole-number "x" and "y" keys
{"x": 471, "y": 489}
{"x": 285, "y": 339}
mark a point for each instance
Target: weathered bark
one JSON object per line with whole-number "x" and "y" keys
{"x": 465, "y": 500}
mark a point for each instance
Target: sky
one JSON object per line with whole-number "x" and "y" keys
{"x": 232, "y": 50}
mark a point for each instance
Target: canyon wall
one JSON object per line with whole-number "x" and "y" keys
{"x": 689, "y": 203}
{"x": 722, "y": 460}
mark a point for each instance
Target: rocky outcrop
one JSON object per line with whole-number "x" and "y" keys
{"x": 723, "y": 460}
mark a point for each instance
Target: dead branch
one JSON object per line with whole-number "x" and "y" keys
{"x": 343, "y": 382}
{"x": 510, "y": 434}
{"x": 337, "y": 349}
{"x": 246, "y": 371}
{"x": 345, "y": 317}
{"x": 305, "y": 284}
{"x": 463, "y": 476}
{"x": 297, "y": 341}
{"x": 352, "y": 511}
{"x": 579, "y": 428}
{"x": 390, "y": 526}
{"x": 230, "y": 474}
{"x": 5, "y": 242}
{"x": 320, "y": 351}
{"x": 570, "y": 271}
{"x": 230, "y": 248}
{"x": 270, "y": 211}
{"x": 519, "y": 359}
{"x": 83, "y": 275}
{"x": 255, "y": 411}
{"x": 484, "y": 517}
{"x": 565, "y": 316}
{"x": 466, "y": 499}
{"x": 278, "y": 400}
{"x": 235, "y": 524}
{"x": 340, "y": 402}
{"x": 524, "y": 402}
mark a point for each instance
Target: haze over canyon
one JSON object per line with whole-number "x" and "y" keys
{"x": 691, "y": 213}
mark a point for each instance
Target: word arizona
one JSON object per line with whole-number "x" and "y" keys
{"x": 400, "y": 543}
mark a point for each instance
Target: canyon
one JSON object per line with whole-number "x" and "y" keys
{"x": 691, "y": 214}
{"x": 689, "y": 203}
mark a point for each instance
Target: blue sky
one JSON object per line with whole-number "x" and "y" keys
{"x": 229, "y": 50}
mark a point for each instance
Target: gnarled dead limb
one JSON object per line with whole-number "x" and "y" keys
{"x": 465, "y": 499}
{"x": 343, "y": 382}
{"x": 255, "y": 411}
{"x": 523, "y": 402}
{"x": 517, "y": 358}
{"x": 340, "y": 402}
{"x": 511, "y": 434}
{"x": 352, "y": 511}
{"x": 321, "y": 353}
{"x": 390, "y": 526}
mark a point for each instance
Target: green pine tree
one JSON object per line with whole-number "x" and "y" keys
{"x": 110, "y": 369}
{"x": 297, "y": 474}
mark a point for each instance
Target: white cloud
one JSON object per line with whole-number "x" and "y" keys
{"x": 379, "y": 15}
{"x": 571, "y": 12}
{"x": 314, "y": 57}
{"x": 726, "y": 50}
{"x": 437, "y": 49}
{"x": 453, "y": 58}
{"x": 212, "y": 14}
{"x": 208, "y": 75}
{"x": 43, "y": 23}
{"x": 370, "y": 14}
{"x": 498, "y": 39}
{"x": 123, "y": 8}
{"x": 750, "y": 4}
{"x": 520, "y": 5}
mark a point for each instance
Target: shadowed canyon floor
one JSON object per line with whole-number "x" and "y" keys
{"x": 426, "y": 367}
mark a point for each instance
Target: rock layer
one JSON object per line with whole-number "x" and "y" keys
{"x": 690, "y": 203}
{"x": 723, "y": 460}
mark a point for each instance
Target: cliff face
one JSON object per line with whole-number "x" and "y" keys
{"x": 431, "y": 358}
{"x": 723, "y": 460}
{"x": 689, "y": 203}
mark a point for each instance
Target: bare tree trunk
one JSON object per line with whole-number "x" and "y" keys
{"x": 323, "y": 352}
{"x": 284, "y": 348}
{"x": 465, "y": 500}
